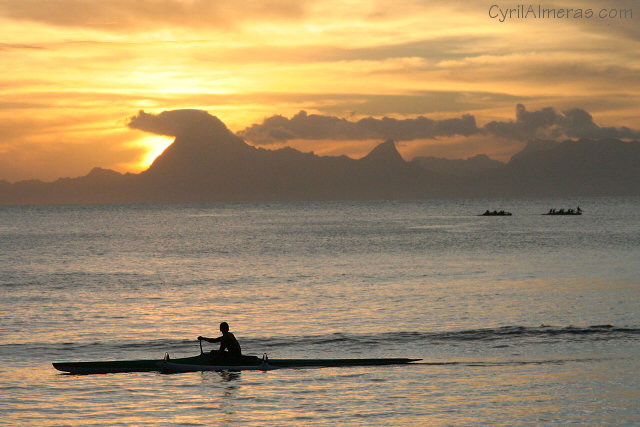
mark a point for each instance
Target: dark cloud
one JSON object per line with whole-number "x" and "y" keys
{"x": 527, "y": 124}
{"x": 178, "y": 123}
{"x": 420, "y": 127}
{"x": 316, "y": 127}
{"x": 547, "y": 123}
{"x": 578, "y": 123}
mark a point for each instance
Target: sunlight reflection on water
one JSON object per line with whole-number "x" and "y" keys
{"x": 324, "y": 280}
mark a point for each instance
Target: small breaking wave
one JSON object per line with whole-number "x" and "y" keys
{"x": 498, "y": 337}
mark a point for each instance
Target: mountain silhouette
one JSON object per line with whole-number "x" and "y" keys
{"x": 584, "y": 167}
{"x": 385, "y": 155}
{"x": 207, "y": 162}
{"x": 459, "y": 167}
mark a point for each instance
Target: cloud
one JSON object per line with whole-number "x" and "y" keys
{"x": 623, "y": 17}
{"x": 305, "y": 126}
{"x": 18, "y": 46}
{"x": 606, "y": 66}
{"x": 310, "y": 51}
{"x": 579, "y": 124}
{"x": 527, "y": 125}
{"x": 547, "y": 123}
{"x": 178, "y": 123}
{"x": 414, "y": 103}
{"x": 119, "y": 15}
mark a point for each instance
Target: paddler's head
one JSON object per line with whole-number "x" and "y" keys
{"x": 224, "y": 327}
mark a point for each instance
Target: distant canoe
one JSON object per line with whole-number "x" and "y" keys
{"x": 496, "y": 213}
{"x": 563, "y": 213}
{"x": 577, "y": 211}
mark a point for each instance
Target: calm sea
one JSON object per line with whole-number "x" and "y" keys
{"x": 520, "y": 320}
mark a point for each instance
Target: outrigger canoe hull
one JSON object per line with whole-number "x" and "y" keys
{"x": 203, "y": 363}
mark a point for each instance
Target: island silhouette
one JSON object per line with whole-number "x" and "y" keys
{"x": 207, "y": 162}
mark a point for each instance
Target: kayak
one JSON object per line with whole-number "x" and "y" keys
{"x": 203, "y": 362}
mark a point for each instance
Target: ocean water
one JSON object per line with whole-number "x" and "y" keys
{"x": 521, "y": 320}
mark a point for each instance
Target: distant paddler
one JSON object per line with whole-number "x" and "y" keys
{"x": 229, "y": 345}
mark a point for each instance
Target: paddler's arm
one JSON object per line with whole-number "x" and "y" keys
{"x": 201, "y": 338}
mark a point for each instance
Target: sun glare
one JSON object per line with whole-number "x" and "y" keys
{"x": 154, "y": 146}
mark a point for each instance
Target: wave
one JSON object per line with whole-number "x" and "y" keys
{"x": 543, "y": 332}
{"x": 502, "y": 336}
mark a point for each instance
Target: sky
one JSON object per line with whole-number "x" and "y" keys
{"x": 449, "y": 79}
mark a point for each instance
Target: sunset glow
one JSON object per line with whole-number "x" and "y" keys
{"x": 81, "y": 65}
{"x": 153, "y": 146}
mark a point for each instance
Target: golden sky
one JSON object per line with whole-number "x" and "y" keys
{"x": 74, "y": 71}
